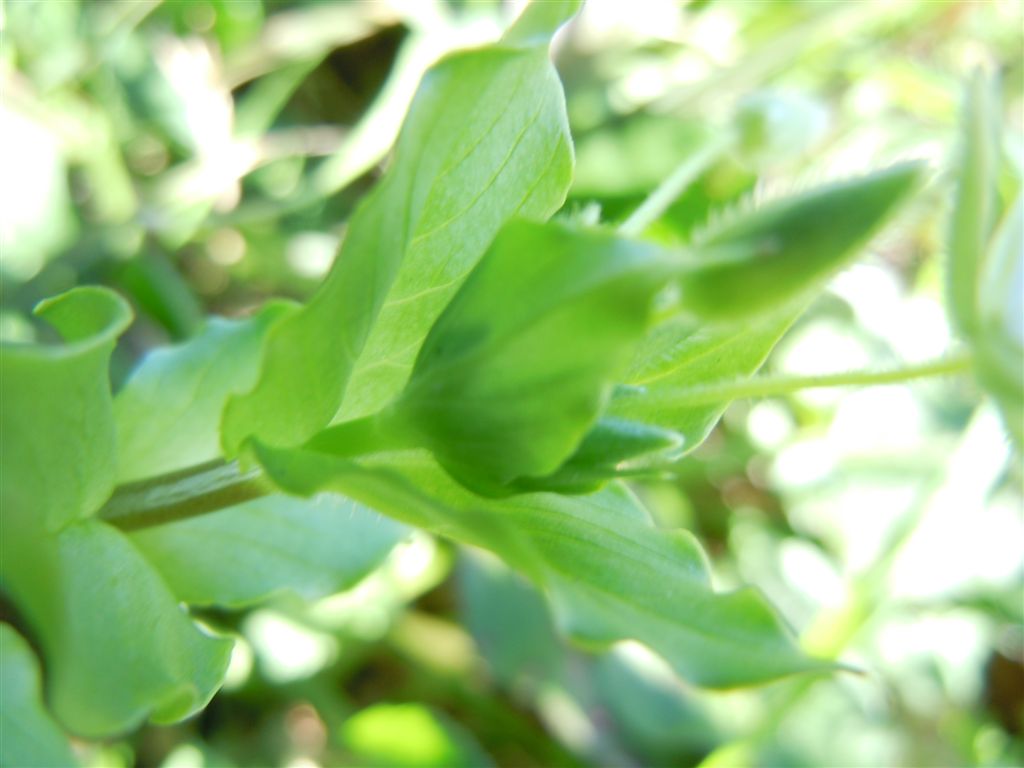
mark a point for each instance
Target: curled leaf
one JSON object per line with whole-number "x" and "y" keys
{"x": 519, "y": 366}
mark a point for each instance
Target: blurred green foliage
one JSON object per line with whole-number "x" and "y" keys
{"x": 201, "y": 156}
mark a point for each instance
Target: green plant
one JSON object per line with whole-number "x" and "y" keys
{"x": 469, "y": 367}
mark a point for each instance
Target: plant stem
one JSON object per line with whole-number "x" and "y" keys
{"x": 684, "y": 397}
{"x": 220, "y": 484}
{"x": 180, "y": 495}
{"x": 672, "y": 187}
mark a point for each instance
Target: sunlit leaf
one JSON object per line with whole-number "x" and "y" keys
{"x": 53, "y": 473}
{"x": 118, "y": 646}
{"x": 485, "y": 140}
{"x": 191, "y": 382}
{"x": 428, "y": 739}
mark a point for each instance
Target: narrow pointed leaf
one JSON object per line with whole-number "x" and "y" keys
{"x": 765, "y": 258}
{"x": 999, "y": 346}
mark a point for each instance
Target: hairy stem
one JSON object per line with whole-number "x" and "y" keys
{"x": 770, "y": 386}
{"x": 218, "y": 484}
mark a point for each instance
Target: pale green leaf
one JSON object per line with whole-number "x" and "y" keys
{"x": 118, "y": 646}
{"x": 486, "y": 139}
{"x": 610, "y": 574}
{"x": 168, "y": 412}
{"x": 57, "y": 445}
{"x": 28, "y": 736}
{"x": 246, "y": 553}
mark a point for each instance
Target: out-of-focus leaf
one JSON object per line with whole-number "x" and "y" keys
{"x": 158, "y": 290}
{"x": 409, "y": 736}
{"x": 632, "y": 158}
{"x": 609, "y": 573}
{"x": 246, "y": 553}
{"x": 118, "y": 646}
{"x": 975, "y": 203}
{"x": 539, "y": 20}
{"x": 652, "y": 710}
{"x": 510, "y": 623}
{"x": 190, "y": 383}
{"x": 520, "y": 364}
{"x": 28, "y": 736}
{"x": 761, "y": 260}
{"x": 485, "y": 140}
{"x": 776, "y": 126}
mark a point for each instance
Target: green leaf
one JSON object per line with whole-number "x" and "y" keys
{"x": 28, "y": 736}
{"x": 486, "y": 139}
{"x": 681, "y": 355}
{"x": 975, "y": 202}
{"x": 510, "y": 624}
{"x": 763, "y": 259}
{"x": 246, "y": 553}
{"x": 610, "y": 574}
{"x": 168, "y": 412}
{"x": 118, "y": 647}
{"x": 520, "y": 364}
{"x": 116, "y": 644}
{"x": 57, "y": 445}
